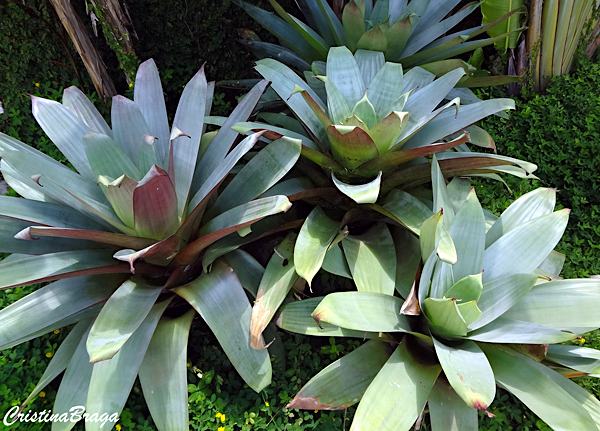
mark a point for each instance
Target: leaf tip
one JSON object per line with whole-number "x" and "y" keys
{"x": 25, "y": 234}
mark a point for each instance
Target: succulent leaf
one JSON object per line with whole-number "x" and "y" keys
{"x": 155, "y": 205}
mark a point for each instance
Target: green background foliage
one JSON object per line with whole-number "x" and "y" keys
{"x": 560, "y": 132}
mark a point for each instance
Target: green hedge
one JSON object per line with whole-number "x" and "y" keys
{"x": 560, "y": 132}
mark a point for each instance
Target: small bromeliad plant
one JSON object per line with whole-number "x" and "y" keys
{"x": 486, "y": 309}
{"x": 415, "y": 33}
{"x": 121, "y": 240}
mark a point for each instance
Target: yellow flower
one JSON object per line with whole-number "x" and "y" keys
{"x": 582, "y": 340}
{"x": 266, "y": 404}
{"x": 222, "y": 418}
{"x": 221, "y": 429}
{"x": 42, "y": 394}
{"x": 218, "y": 415}
{"x": 56, "y": 331}
{"x": 49, "y": 355}
{"x": 188, "y": 365}
{"x": 316, "y": 411}
{"x": 37, "y": 84}
{"x": 118, "y": 427}
{"x": 130, "y": 84}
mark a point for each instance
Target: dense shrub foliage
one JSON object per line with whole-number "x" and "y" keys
{"x": 560, "y": 132}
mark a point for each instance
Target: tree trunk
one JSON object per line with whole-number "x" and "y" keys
{"x": 117, "y": 22}
{"x": 83, "y": 44}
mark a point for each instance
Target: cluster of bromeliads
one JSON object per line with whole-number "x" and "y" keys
{"x": 145, "y": 230}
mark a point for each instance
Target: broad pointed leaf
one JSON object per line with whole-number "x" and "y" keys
{"x": 189, "y": 118}
{"x": 577, "y": 358}
{"x": 344, "y": 73}
{"x": 78, "y": 102}
{"x": 403, "y": 381}
{"x": 65, "y": 129}
{"x": 155, "y": 205}
{"x": 74, "y": 386}
{"x": 342, "y": 383}
{"x": 61, "y": 359}
{"x": 372, "y": 259}
{"x": 408, "y": 209}
{"x": 107, "y": 158}
{"x": 469, "y": 372}
{"x": 524, "y": 248}
{"x": 557, "y": 408}
{"x": 129, "y": 126}
{"x": 163, "y": 373}
{"x": 385, "y": 88}
{"x": 503, "y": 330}
{"x": 316, "y": 235}
{"x": 148, "y": 96}
{"x": 220, "y": 299}
{"x": 54, "y": 266}
{"x": 278, "y": 278}
{"x": 448, "y": 412}
{"x": 221, "y": 145}
{"x": 362, "y": 311}
{"x": 537, "y": 203}
{"x": 113, "y": 379}
{"x": 120, "y": 317}
{"x": 560, "y": 304}
{"x": 360, "y": 193}
{"x": 258, "y": 175}
{"x": 500, "y": 295}
{"x": 296, "y": 317}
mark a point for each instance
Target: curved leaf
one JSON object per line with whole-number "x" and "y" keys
{"x": 296, "y": 317}
{"x": 278, "y": 278}
{"x": 360, "y": 193}
{"x": 342, "y": 383}
{"x": 264, "y": 170}
{"x": 362, "y": 311}
{"x": 372, "y": 259}
{"x": 220, "y": 299}
{"x": 112, "y": 380}
{"x": 557, "y": 408}
{"x": 469, "y": 373}
{"x": 78, "y": 102}
{"x": 120, "y": 317}
{"x": 402, "y": 381}
{"x": 148, "y": 96}
{"x": 316, "y": 235}
{"x": 65, "y": 130}
{"x": 524, "y": 248}
{"x": 163, "y": 373}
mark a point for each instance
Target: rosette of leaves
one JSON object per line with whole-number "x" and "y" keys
{"x": 365, "y": 130}
{"x": 485, "y": 310}
{"x": 412, "y": 33}
{"x": 121, "y": 239}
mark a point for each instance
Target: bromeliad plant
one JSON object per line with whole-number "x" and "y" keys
{"x": 411, "y": 33}
{"x": 485, "y": 309}
{"x": 369, "y": 137}
{"x": 122, "y": 237}
{"x": 365, "y": 118}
